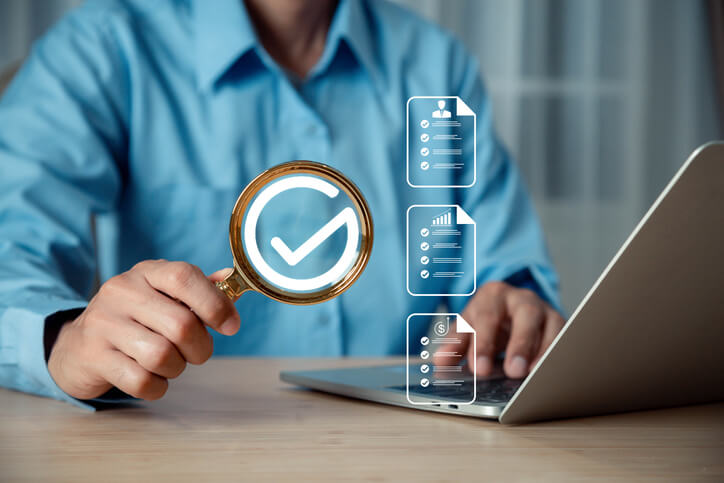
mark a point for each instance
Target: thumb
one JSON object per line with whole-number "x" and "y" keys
{"x": 220, "y": 275}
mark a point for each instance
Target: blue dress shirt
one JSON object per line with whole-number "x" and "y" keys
{"x": 134, "y": 125}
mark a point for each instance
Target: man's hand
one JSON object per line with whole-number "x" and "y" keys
{"x": 511, "y": 319}
{"x": 140, "y": 330}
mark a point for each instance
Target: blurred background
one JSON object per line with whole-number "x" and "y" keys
{"x": 600, "y": 102}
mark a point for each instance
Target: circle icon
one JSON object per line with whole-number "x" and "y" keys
{"x": 425, "y": 340}
{"x": 441, "y": 327}
{"x": 425, "y": 151}
{"x": 424, "y": 382}
{"x": 424, "y": 274}
{"x": 424, "y": 165}
{"x": 425, "y": 232}
{"x": 424, "y": 124}
{"x": 425, "y": 354}
{"x": 253, "y": 252}
{"x": 424, "y": 246}
{"x": 424, "y": 368}
{"x": 424, "y": 259}
{"x": 425, "y": 137}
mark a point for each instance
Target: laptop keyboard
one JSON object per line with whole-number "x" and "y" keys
{"x": 488, "y": 391}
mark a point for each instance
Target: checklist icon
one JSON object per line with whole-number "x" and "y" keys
{"x": 441, "y": 138}
{"x": 441, "y": 249}
{"x": 436, "y": 371}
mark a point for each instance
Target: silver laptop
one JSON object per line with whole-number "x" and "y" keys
{"x": 649, "y": 334}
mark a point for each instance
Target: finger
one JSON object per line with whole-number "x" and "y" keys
{"x": 175, "y": 322}
{"x": 553, "y": 325}
{"x": 486, "y": 313}
{"x": 220, "y": 275}
{"x": 487, "y": 324}
{"x": 152, "y": 351}
{"x": 188, "y": 284}
{"x": 128, "y": 376}
{"x": 526, "y": 322}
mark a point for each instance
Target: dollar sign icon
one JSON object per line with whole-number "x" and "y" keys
{"x": 442, "y": 327}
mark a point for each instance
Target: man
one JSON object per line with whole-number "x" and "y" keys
{"x": 150, "y": 117}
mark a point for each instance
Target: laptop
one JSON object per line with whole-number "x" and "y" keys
{"x": 649, "y": 334}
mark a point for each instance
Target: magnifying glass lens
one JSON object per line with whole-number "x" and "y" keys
{"x": 301, "y": 234}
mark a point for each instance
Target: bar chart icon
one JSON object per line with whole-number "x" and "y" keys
{"x": 443, "y": 218}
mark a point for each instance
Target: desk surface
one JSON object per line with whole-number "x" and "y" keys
{"x": 234, "y": 419}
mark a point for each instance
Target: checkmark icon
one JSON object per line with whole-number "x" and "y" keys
{"x": 344, "y": 217}
{"x": 424, "y": 368}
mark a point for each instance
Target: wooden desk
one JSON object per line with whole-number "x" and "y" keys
{"x": 232, "y": 419}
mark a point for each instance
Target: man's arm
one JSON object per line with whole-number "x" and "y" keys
{"x": 62, "y": 152}
{"x": 61, "y": 139}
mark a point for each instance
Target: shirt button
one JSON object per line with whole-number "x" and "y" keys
{"x": 312, "y": 130}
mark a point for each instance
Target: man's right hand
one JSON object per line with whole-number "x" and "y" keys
{"x": 140, "y": 330}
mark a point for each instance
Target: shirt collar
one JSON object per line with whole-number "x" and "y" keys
{"x": 352, "y": 24}
{"x": 223, "y": 33}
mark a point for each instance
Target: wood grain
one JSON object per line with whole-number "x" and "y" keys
{"x": 232, "y": 419}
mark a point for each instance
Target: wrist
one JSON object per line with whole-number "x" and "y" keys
{"x": 54, "y": 323}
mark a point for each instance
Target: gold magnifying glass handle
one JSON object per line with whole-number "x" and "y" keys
{"x": 233, "y": 285}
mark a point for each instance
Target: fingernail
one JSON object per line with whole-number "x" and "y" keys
{"x": 518, "y": 367}
{"x": 484, "y": 366}
{"x": 230, "y": 326}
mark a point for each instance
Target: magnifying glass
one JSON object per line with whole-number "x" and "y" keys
{"x": 300, "y": 233}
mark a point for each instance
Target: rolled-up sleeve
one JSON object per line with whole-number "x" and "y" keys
{"x": 61, "y": 139}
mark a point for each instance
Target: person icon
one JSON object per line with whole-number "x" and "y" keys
{"x": 441, "y": 113}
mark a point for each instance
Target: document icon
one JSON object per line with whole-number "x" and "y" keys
{"x": 441, "y": 251}
{"x": 435, "y": 372}
{"x": 440, "y": 142}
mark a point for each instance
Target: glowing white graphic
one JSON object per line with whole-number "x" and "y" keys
{"x": 447, "y": 341}
{"x": 345, "y": 217}
{"x": 441, "y": 112}
{"x": 441, "y": 142}
{"x": 441, "y": 260}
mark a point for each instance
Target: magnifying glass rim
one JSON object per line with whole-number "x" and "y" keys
{"x": 247, "y": 271}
